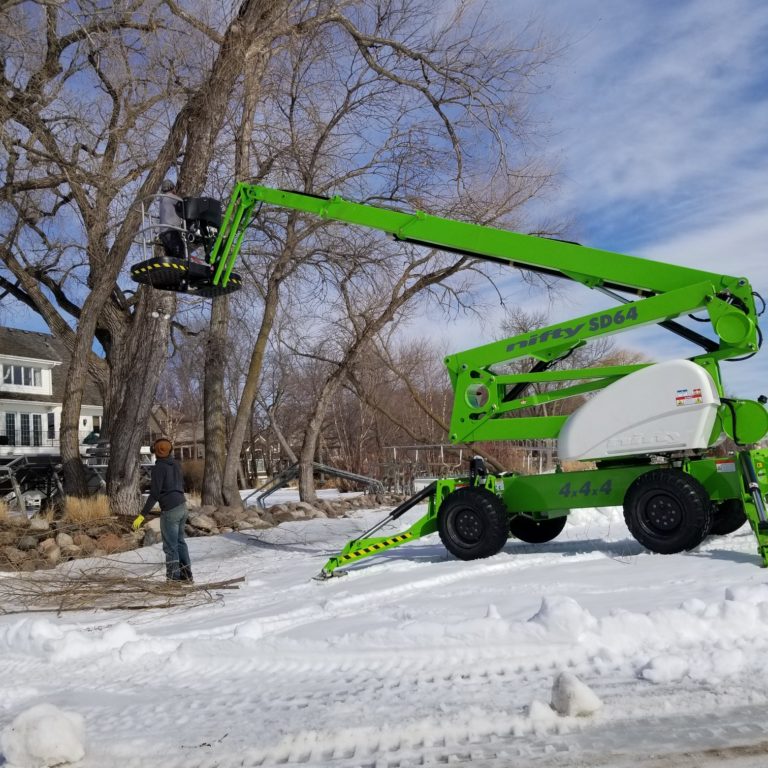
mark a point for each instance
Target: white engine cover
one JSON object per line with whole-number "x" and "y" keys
{"x": 665, "y": 407}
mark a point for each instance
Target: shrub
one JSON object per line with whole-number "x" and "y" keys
{"x": 192, "y": 470}
{"x": 86, "y": 510}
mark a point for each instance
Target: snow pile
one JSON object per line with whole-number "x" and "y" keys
{"x": 43, "y": 736}
{"x": 61, "y": 643}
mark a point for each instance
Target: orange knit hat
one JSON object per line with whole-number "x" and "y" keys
{"x": 162, "y": 447}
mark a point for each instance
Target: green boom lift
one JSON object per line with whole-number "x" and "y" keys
{"x": 645, "y": 434}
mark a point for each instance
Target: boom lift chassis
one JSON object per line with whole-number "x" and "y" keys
{"x": 654, "y": 460}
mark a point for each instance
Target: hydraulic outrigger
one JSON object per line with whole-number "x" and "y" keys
{"x": 647, "y": 432}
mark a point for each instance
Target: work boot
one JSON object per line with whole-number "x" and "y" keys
{"x": 185, "y": 574}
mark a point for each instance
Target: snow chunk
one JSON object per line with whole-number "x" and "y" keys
{"x": 564, "y": 616}
{"x": 541, "y": 717}
{"x": 573, "y": 698}
{"x": 78, "y": 645}
{"x": 43, "y": 736}
{"x": 30, "y": 636}
{"x": 665, "y": 669}
{"x": 42, "y": 637}
{"x": 748, "y": 593}
{"x": 252, "y": 630}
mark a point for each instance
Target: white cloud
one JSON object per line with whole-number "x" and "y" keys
{"x": 656, "y": 104}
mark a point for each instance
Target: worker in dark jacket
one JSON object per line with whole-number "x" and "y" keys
{"x": 167, "y": 489}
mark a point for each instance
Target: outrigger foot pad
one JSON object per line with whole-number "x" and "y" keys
{"x": 325, "y": 575}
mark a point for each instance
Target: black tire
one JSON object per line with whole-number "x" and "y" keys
{"x": 667, "y": 511}
{"x": 536, "y": 531}
{"x": 728, "y": 516}
{"x": 472, "y": 523}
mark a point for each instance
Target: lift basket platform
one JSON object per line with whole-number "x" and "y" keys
{"x": 182, "y": 276}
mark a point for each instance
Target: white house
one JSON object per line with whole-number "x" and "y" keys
{"x": 33, "y": 370}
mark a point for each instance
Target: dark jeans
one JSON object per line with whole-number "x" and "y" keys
{"x": 172, "y": 521}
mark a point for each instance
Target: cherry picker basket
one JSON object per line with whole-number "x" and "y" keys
{"x": 200, "y": 222}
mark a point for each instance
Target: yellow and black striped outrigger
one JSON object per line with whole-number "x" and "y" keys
{"x": 365, "y": 546}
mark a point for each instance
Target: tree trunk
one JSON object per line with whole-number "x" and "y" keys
{"x": 281, "y": 438}
{"x": 311, "y": 436}
{"x": 213, "y": 403}
{"x": 69, "y": 439}
{"x": 255, "y": 61}
{"x": 248, "y": 396}
{"x": 136, "y": 369}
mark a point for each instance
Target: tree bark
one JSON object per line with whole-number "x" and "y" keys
{"x": 281, "y": 438}
{"x": 69, "y": 437}
{"x": 213, "y": 403}
{"x": 248, "y": 396}
{"x": 136, "y": 369}
{"x": 307, "y": 490}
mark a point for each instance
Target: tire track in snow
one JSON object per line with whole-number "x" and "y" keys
{"x": 348, "y": 605}
{"x": 505, "y": 743}
{"x": 739, "y": 739}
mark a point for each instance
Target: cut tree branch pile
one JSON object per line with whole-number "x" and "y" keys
{"x": 106, "y": 588}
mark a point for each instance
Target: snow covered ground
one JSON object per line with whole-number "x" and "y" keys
{"x": 416, "y": 658}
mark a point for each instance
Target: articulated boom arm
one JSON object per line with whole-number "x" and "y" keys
{"x": 483, "y": 397}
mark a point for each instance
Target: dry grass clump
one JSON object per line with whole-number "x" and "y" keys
{"x": 86, "y": 510}
{"x": 9, "y": 518}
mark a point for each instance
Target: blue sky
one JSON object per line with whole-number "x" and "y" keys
{"x": 656, "y": 116}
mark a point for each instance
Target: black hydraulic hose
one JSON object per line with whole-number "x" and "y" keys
{"x": 424, "y": 493}
{"x": 514, "y": 392}
{"x": 707, "y": 344}
{"x": 542, "y": 365}
{"x": 753, "y": 486}
{"x": 401, "y": 509}
{"x": 686, "y": 333}
{"x": 729, "y": 402}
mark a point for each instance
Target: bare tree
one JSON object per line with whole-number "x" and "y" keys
{"x": 78, "y": 166}
{"x": 371, "y": 98}
{"x": 420, "y": 401}
{"x": 394, "y": 121}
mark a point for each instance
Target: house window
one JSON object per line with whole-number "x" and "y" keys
{"x": 10, "y": 428}
{"x": 51, "y": 426}
{"x": 37, "y": 429}
{"x": 22, "y": 376}
{"x": 24, "y": 429}
{"x": 96, "y": 423}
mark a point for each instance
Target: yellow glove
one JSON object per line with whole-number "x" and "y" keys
{"x": 137, "y": 522}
